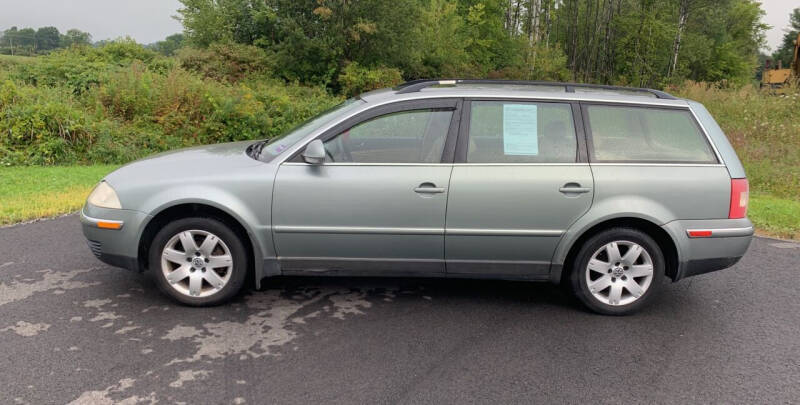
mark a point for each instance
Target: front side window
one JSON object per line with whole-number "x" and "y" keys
{"x": 416, "y": 136}
{"x": 521, "y": 132}
{"x": 644, "y": 134}
{"x": 280, "y": 143}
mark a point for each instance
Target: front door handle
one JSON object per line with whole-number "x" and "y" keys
{"x": 429, "y": 188}
{"x": 574, "y": 188}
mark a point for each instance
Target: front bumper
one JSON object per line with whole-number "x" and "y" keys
{"x": 718, "y": 249}
{"x": 113, "y": 235}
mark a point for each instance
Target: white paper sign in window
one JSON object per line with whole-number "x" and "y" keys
{"x": 520, "y": 131}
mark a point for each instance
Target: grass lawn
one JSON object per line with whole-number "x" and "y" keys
{"x": 36, "y": 192}
{"x": 30, "y": 192}
{"x": 774, "y": 216}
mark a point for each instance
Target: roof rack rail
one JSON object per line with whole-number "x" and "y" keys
{"x": 417, "y": 85}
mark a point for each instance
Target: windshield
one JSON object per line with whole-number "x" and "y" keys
{"x": 280, "y": 143}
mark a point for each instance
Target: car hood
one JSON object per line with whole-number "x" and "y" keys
{"x": 189, "y": 163}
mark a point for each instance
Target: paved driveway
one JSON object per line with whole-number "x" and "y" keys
{"x": 73, "y": 329}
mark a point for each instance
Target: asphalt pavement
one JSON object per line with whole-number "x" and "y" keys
{"x": 74, "y": 329}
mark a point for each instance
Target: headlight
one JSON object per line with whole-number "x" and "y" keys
{"x": 104, "y": 196}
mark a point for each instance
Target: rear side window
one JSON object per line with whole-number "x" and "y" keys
{"x": 521, "y": 132}
{"x": 644, "y": 134}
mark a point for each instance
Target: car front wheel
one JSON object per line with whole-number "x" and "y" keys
{"x": 618, "y": 271}
{"x": 198, "y": 261}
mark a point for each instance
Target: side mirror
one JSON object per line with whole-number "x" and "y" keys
{"x": 314, "y": 153}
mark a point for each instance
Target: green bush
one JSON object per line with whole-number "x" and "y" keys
{"x": 119, "y": 102}
{"x": 69, "y": 68}
{"x": 225, "y": 62}
{"x": 40, "y": 126}
{"x": 356, "y": 79}
{"x": 82, "y": 67}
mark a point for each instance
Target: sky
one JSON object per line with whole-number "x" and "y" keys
{"x": 777, "y": 16}
{"x": 146, "y": 21}
{"x": 151, "y": 20}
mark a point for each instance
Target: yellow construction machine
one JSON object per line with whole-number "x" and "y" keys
{"x": 777, "y": 76}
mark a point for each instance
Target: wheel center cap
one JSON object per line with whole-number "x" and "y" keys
{"x": 198, "y": 262}
{"x": 617, "y": 271}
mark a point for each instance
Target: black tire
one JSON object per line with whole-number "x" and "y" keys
{"x": 578, "y": 276}
{"x": 234, "y": 243}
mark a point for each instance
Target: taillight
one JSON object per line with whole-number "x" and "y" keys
{"x": 740, "y": 192}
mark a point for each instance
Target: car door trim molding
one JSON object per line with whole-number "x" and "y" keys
{"x": 520, "y": 164}
{"x": 366, "y": 230}
{"x": 358, "y": 230}
{"x": 502, "y": 232}
{"x": 464, "y": 164}
{"x": 662, "y": 164}
{"x": 365, "y": 164}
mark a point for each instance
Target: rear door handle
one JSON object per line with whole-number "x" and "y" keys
{"x": 429, "y": 188}
{"x": 574, "y": 188}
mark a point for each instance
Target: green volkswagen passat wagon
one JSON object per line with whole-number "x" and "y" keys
{"x": 606, "y": 189}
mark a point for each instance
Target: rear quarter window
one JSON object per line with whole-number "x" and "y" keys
{"x": 645, "y": 134}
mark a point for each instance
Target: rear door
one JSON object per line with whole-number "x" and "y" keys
{"x": 520, "y": 179}
{"x": 377, "y": 204}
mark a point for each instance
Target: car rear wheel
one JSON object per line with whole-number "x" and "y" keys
{"x": 198, "y": 261}
{"x": 618, "y": 271}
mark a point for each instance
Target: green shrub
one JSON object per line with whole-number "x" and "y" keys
{"x": 81, "y": 67}
{"x": 118, "y": 103}
{"x": 121, "y": 52}
{"x": 226, "y": 62}
{"x": 40, "y": 126}
{"x": 542, "y": 63}
{"x": 288, "y": 104}
{"x": 129, "y": 93}
{"x": 356, "y": 79}
{"x": 69, "y": 67}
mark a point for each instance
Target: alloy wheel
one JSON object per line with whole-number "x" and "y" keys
{"x": 196, "y": 263}
{"x": 619, "y": 273}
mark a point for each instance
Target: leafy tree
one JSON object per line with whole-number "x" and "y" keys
{"x": 731, "y": 37}
{"x": 441, "y": 48}
{"x": 26, "y": 39}
{"x": 205, "y": 21}
{"x": 8, "y": 40}
{"x": 638, "y": 42}
{"x": 785, "y": 51}
{"x": 170, "y": 45}
{"x": 47, "y": 38}
{"x": 311, "y": 40}
{"x": 75, "y": 37}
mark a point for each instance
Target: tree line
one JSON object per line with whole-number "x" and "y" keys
{"x": 29, "y": 41}
{"x": 650, "y": 43}
{"x": 637, "y": 42}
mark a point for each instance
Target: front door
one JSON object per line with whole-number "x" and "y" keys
{"x": 377, "y": 204}
{"x": 520, "y": 180}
